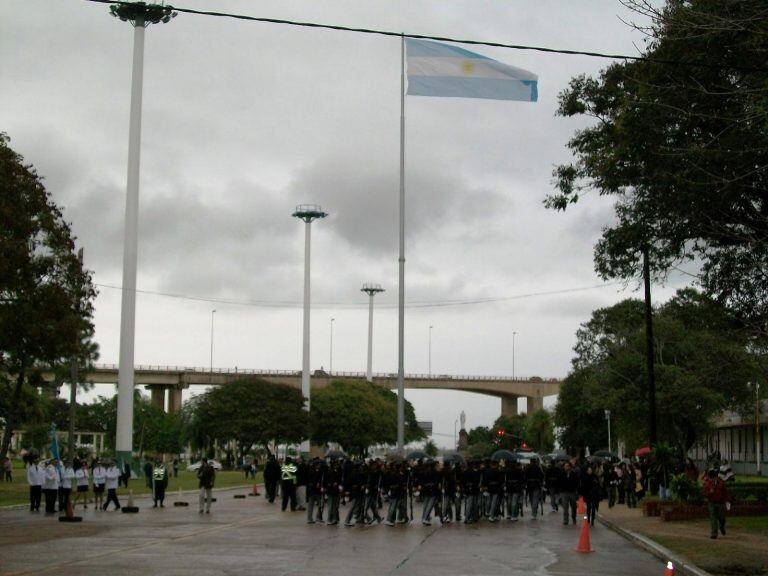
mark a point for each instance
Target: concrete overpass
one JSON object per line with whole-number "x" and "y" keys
{"x": 160, "y": 380}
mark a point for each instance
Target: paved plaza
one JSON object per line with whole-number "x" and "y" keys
{"x": 250, "y": 536}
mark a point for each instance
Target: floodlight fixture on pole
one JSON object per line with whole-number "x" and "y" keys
{"x": 371, "y": 290}
{"x": 140, "y": 15}
{"x": 307, "y": 213}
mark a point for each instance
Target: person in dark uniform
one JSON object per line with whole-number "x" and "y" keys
{"x": 589, "y": 489}
{"x": 534, "y": 480}
{"x": 430, "y": 489}
{"x": 315, "y": 491}
{"x": 471, "y": 491}
{"x": 449, "y": 494}
{"x": 569, "y": 487}
{"x": 372, "y": 491}
{"x": 493, "y": 483}
{"x": 552, "y": 475}
{"x": 514, "y": 482}
{"x": 355, "y": 489}
{"x": 397, "y": 484}
{"x": 271, "y": 477}
{"x": 332, "y": 487}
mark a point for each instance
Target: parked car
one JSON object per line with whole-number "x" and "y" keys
{"x": 196, "y": 466}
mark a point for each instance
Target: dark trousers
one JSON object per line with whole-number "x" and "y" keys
{"x": 592, "y": 506}
{"x": 64, "y": 494}
{"x": 50, "y": 500}
{"x": 112, "y": 497}
{"x": 271, "y": 487}
{"x": 289, "y": 493}
{"x": 159, "y": 495}
{"x": 35, "y": 495}
{"x": 716, "y": 518}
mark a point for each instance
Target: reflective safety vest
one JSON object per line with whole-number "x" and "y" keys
{"x": 289, "y": 472}
{"x": 159, "y": 472}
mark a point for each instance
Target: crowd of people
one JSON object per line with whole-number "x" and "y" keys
{"x": 453, "y": 491}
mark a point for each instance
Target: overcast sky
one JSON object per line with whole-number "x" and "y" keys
{"x": 243, "y": 121}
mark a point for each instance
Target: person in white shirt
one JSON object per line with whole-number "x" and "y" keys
{"x": 99, "y": 480}
{"x": 67, "y": 475}
{"x": 35, "y": 481}
{"x": 81, "y": 479}
{"x": 113, "y": 475}
{"x": 51, "y": 485}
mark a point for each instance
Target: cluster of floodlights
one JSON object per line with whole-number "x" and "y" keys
{"x": 142, "y": 14}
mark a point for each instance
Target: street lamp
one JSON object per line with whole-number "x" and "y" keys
{"x": 608, "y": 417}
{"x": 330, "y": 369}
{"x": 371, "y": 290}
{"x": 212, "y": 313}
{"x": 758, "y": 444}
{"x": 140, "y": 15}
{"x": 430, "y": 350}
{"x": 513, "y": 354}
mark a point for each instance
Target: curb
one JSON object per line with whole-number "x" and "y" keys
{"x": 662, "y": 553}
{"x": 13, "y": 507}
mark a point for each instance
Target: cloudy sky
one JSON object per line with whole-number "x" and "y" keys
{"x": 243, "y": 121}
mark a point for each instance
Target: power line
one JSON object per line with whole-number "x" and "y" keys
{"x": 437, "y": 304}
{"x": 695, "y": 63}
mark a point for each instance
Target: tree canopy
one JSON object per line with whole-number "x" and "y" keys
{"x": 250, "y": 411}
{"x": 358, "y": 414}
{"x": 681, "y": 141}
{"x": 703, "y": 367}
{"x": 45, "y": 293}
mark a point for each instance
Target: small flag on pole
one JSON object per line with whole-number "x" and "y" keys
{"x": 436, "y": 69}
{"x": 54, "y": 443}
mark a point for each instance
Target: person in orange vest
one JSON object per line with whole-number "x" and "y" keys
{"x": 717, "y": 497}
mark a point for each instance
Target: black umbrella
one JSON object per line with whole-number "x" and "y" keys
{"x": 455, "y": 457}
{"x": 335, "y": 454}
{"x": 561, "y": 458}
{"x": 605, "y": 454}
{"x": 504, "y": 455}
{"x": 417, "y": 455}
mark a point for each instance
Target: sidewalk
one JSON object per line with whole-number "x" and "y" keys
{"x": 742, "y": 552}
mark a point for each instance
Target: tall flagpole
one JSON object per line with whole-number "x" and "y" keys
{"x": 401, "y": 297}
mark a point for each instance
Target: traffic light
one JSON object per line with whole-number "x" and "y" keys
{"x": 500, "y": 432}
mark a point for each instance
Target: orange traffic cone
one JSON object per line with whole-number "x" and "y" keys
{"x": 584, "y": 544}
{"x": 581, "y": 506}
{"x": 69, "y": 516}
{"x": 255, "y": 490}
{"x": 670, "y": 570}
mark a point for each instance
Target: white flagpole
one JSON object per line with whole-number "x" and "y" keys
{"x": 401, "y": 297}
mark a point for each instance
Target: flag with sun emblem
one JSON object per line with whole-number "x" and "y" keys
{"x": 436, "y": 69}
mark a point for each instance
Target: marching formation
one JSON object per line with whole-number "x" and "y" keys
{"x": 453, "y": 491}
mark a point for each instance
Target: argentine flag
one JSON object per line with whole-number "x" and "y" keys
{"x": 436, "y": 69}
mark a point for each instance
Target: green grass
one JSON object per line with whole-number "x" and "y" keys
{"x": 17, "y": 492}
{"x": 760, "y": 479}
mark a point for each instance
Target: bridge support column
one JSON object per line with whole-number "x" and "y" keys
{"x": 509, "y": 406}
{"x": 158, "y": 396}
{"x": 174, "y": 400}
{"x": 535, "y": 403}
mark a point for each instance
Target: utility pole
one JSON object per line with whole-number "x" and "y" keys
{"x": 649, "y": 350}
{"x": 73, "y": 383}
{"x": 330, "y": 367}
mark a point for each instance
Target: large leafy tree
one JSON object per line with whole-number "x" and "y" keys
{"x": 45, "y": 294}
{"x": 702, "y": 361}
{"x": 358, "y": 414}
{"x": 681, "y": 142}
{"x": 249, "y": 411}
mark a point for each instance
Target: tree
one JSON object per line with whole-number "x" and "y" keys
{"x": 45, "y": 294}
{"x": 430, "y": 448}
{"x": 250, "y": 411}
{"x": 681, "y": 143}
{"x": 703, "y": 367}
{"x": 358, "y": 414}
{"x": 540, "y": 431}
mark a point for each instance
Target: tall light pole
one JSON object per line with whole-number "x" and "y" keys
{"x": 758, "y": 444}
{"x": 430, "y": 350}
{"x": 513, "y": 354}
{"x": 307, "y": 213}
{"x": 212, "y": 313}
{"x": 330, "y": 369}
{"x": 608, "y": 417}
{"x": 371, "y": 290}
{"x": 140, "y": 15}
